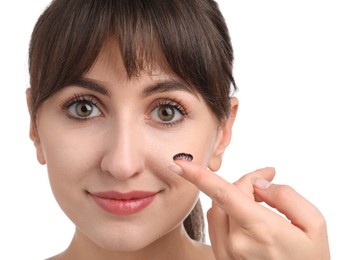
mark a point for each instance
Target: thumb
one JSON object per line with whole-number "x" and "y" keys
{"x": 286, "y": 200}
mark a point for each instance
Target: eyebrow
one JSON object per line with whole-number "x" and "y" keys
{"x": 160, "y": 87}
{"x": 92, "y": 85}
{"x": 164, "y": 86}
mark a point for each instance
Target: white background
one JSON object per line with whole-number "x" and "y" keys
{"x": 290, "y": 66}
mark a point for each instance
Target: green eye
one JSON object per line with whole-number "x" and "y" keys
{"x": 166, "y": 113}
{"x": 169, "y": 113}
{"x": 83, "y": 109}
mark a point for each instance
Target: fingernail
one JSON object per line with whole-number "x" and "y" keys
{"x": 261, "y": 183}
{"x": 175, "y": 168}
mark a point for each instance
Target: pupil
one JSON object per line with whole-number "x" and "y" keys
{"x": 166, "y": 113}
{"x": 84, "y": 109}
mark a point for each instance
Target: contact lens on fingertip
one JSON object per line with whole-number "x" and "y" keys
{"x": 183, "y": 156}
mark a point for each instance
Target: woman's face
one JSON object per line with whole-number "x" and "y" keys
{"x": 108, "y": 141}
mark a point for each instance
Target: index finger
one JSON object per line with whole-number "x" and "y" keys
{"x": 227, "y": 195}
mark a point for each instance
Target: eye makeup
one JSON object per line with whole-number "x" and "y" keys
{"x": 183, "y": 156}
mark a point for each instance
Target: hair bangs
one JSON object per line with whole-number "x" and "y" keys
{"x": 186, "y": 38}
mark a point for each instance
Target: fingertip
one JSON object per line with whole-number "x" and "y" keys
{"x": 186, "y": 169}
{"x": 270, "y": 169}
{"x": 175, "y": 168}
{"x": 187, "y": 165}
{"x": 270, "y": 173}
{"x": 261, "y": 183}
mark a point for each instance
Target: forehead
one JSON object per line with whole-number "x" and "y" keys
{"x": 109, "y": 68}
{"x": 111, "y": 58}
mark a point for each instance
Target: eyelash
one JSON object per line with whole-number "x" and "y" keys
{"x": 66, "y": 104}
{"x": 171, "y": 102}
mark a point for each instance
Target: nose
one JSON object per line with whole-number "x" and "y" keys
{"x": 123, "y": 157}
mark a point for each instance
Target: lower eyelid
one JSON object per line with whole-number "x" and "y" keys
{"x": 173, "y": 124}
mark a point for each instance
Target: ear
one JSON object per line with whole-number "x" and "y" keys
{"x": 33, "y": 132}
{"x": 224, "y": 136}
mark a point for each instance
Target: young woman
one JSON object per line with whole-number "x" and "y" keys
{"x": 131, "y": 109}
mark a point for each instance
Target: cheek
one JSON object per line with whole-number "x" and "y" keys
{"x": 199, "y": 142}
{"x": 68, "y": 158}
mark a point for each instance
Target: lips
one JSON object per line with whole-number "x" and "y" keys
{"x": 123, "y": 203}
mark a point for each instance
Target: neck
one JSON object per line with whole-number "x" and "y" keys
{"x": 174, "y": 245}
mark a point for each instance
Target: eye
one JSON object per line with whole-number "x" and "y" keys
{"x": 168, "y": 113}
{"x": 81, "y": 108}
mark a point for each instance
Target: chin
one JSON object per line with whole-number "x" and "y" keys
{"x": 123, "y": 241}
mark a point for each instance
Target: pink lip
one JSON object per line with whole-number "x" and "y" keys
{"x": 123, "y": 203}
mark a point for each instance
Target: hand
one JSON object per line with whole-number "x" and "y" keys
{"x": 242, "y": 228}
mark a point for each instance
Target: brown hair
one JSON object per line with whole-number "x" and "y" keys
{"x": 190, "y": 37}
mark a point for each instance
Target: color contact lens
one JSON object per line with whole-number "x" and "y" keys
{"x": 183, "y": 156}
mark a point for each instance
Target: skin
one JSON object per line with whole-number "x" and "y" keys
{"x": 125, "y": 147}
{"x": 241, "y": 228}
